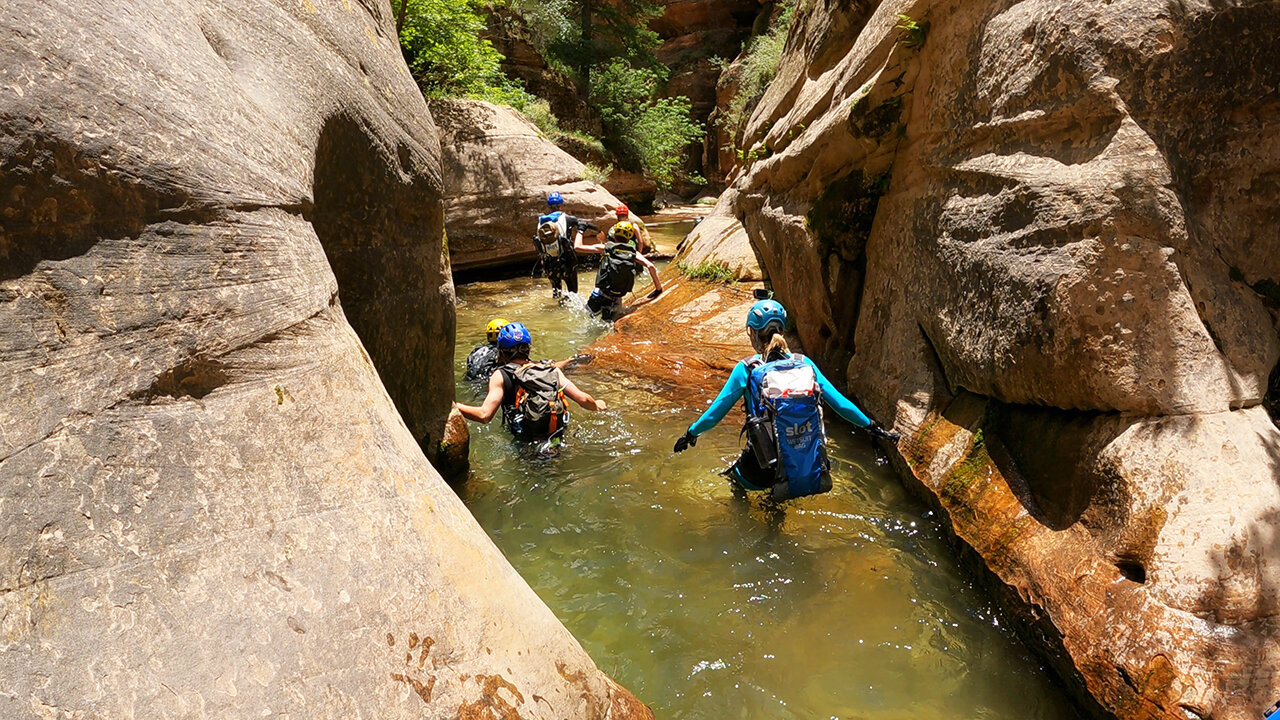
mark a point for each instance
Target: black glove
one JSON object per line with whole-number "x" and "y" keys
{"x": 877, "y": 430}
{"x": 686, "y": 441}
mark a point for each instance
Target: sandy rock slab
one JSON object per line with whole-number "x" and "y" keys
{"x": 226, "y": 322}
{"x": 498, "y": 169}
{"x": 686, "y": 341}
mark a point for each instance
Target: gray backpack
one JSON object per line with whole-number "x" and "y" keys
{"x": 538, "y": 410}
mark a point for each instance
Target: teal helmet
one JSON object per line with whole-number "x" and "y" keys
{"x": 765, "y": 313}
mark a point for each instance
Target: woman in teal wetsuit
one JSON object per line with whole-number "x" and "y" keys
{"x": 765, "y": 322}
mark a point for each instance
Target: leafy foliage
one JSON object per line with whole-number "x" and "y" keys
{"x": 606, "y": 48}
{"x": 759, "y": 67}
{"x": 652, "y": 134}
{"x": 913, "y": 32}
{"x": 596, "y": 174}
{"x": 441, "y": 43}
{"x": 709, "y": 270}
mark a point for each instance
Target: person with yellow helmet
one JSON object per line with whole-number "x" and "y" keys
{"x": 643, "y": 243}
{"x": 483, "y": 360}
{"x": 620, "y": 262}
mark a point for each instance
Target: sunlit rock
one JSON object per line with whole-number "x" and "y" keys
{"x": 1041, "y": 236}
{"x": 226, "y": 323}
{"x": 498, "y": 170}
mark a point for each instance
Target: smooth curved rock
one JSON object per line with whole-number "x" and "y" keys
{"x": 498, "y": 170}
{"x": 1043, "y": 242}
{"x": 209, "y": 504}
{"x": 719, "y": 239}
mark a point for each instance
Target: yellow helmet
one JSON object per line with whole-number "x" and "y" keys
{"x": 491, "y": 330}
{"x": 625, "y": 230}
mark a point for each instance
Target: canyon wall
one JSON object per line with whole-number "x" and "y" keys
{"x": 226, "y": 322}
{"x": 1038, "y": 237}
{"x": 498, "y": 169}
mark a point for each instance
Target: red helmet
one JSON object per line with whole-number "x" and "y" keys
{"x": 622, "y": 211}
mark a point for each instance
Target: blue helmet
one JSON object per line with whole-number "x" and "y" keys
{"x": 554, "y": 199}
{"x": 766, "y": 312}
{"x": 513, "y": 335}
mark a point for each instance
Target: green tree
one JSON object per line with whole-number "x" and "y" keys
{"x": 441, "y": 43}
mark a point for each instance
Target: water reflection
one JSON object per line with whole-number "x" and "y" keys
{"x": 707, "y": 603}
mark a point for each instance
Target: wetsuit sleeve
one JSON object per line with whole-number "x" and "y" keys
{"x": 843, "y": 406}
{"x": 730, "y": 394}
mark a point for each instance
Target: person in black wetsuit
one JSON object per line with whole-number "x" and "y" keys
{"x": 483, "y": 360}
{"x": 554, "y": 240}
{"x": 619, "y": 264}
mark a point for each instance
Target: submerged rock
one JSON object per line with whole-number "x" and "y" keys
{"x": 498, "y": 169}
{"x": 1041, "y": 236}
{"x": 225, "y": 330}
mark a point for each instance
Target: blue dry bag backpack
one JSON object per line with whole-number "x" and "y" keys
{"x": 785, "y": 393}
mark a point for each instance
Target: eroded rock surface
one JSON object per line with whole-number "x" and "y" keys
{"x": 720, "y": 240}
{"x": 1041, "y": 235}
{"x": 498, "y": 170}
{"x": 221, "y": 275}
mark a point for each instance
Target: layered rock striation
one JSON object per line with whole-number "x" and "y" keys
{"x": 1039, "y": 237}
{"x": 498, "y": 170}
{"x": 225, "y": 332}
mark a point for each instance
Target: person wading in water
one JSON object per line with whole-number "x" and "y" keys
{"x": 556, "y": 235}
{"x": 530, "y": 394}
{"x": 483, "y": 359}
{"x": 619, "y": 263}
{"x": 782, "y": 394}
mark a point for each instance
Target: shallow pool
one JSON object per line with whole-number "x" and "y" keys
{"x": 707, "y": 604}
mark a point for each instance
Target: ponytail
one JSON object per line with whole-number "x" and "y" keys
{"x": 775, "y": 345}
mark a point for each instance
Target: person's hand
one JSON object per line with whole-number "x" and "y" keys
{"x": 878, "y": 431}
{"x": 685, "y": 442}
{"x": 601, "y": 405}
{"x": 655, "y": 293}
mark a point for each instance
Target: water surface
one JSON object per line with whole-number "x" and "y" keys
{"x": 707, "y": 604}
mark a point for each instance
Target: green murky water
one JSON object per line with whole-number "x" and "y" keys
{"x": 708, "y": 605}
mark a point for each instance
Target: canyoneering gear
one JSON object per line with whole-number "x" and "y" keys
{"x": 608, "y": 308}
{"x": 765, "y": 312}
{"x": 549, "y": 241}
{"x": 556, "y": 256}
{"x": 784, "y": 426}
{"x": 622, "y": 211}
{"x": 513, "y": 335}
{"x": 618, "y": 267}
{"x": 762, "y": 294}
{"x": 533, "y": 402}
{"x": 624, "y": 232}
{"x": 877, "y": 430}
{"x": 785, "y": 451}
{"x": 481, "y": 363}
{"x": 685, "y": 442}
{"x": 554, "y": 199}
{"x": 491, "y": 330}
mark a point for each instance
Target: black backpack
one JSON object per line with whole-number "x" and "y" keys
{"x": 617, "y": 274}
{"x": 538, "y": 409}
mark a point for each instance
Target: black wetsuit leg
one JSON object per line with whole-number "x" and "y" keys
{"x": 746, "y": 471}
{"x": 571, "y": 276}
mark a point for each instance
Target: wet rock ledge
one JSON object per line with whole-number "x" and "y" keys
{"x": 225, "y": 337}
{"x": 1040, "y": 237}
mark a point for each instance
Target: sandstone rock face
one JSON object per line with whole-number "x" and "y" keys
{"x": 721, "y": 239}
{"x": 498, "y": 170}
{"x": 222, "y": 223}
{"x": 521, "y": 60}
{"x": 695, "y": 33}
{"x": 1043, "y": 241}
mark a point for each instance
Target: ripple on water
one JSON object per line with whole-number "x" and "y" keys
{"x": 708, "y": 604}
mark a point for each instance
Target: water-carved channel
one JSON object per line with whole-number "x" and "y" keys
{"x": 709, "y": 605}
